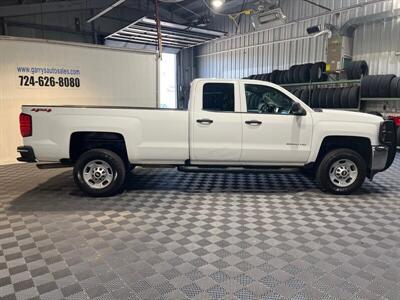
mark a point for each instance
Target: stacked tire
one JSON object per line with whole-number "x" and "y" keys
{"x": 380, "y": 86}
{"x": 334, "y": 98}
{"x": 357, "y": 70}
{"x": 296, "y": 74}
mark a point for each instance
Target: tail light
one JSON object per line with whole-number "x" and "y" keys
{"x": 25, "y": 125}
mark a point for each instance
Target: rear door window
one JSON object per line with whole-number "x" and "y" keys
{"x": 219, "y": 97}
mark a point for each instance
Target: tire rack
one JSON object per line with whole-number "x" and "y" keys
{"x": 337, "y": 83}
{"x": 380, "y": 99}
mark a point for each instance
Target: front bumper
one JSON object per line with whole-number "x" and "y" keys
{"x": 27, "y": 154}
{"x": 383, "y": 155}
{"x": 382, "y": 159}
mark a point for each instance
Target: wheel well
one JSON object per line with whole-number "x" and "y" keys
{"x": 83, "y": 141}
{"x": 360, "y": 145}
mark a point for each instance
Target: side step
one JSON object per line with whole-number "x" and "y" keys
{"x": 221, "y": 169}
{"x": 52, "y": 166}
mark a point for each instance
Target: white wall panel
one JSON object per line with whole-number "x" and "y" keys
{"x": 107, "y": 77}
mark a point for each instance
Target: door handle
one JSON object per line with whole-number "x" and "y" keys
{"x": 205, "y": 121}
{"x": 253, "y": 123}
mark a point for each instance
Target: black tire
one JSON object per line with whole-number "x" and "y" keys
{"x": 268, "y": 77}
{"x": 349, "y": 71}
{"x": 316, "y": 71}
{"x": 305, "y": 73}
{"x": 354, "y": 97}
{"x": 337, "y": 98}
{"x": 305, "y": 96}
{"x": 322, "y": 103}
{"x": 325, "y": 169}
{"x": 278, "y": 77}
{"x": 263, "y": 76}
{"x": 359, "y": 69}
{"x": 329, "y": 98}
{"x": 373, "y": 89}
{"x": 384, "y": 85}
{"x": 274, "y": 76}
{"x": 291, "y": 74}
{"x": 298, "y": 93}
{"x": 281, "y": 77}
{"x": 315, "y": 98}
{"x": 296, "y": 73}
{"x": 398, "y": 90}
{"x": 344, "y": 98}
{"x": 365, "y": 85}
{"x": 117, "y": 165}
{"x": 394, "y": 85}
{"x": 287, "y": 77}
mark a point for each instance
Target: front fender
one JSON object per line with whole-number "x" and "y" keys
{"x": 325, "y": 129}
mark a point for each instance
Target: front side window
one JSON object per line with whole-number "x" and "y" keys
{"x": 219, "y": 97}
{"x": 267, "y": 100}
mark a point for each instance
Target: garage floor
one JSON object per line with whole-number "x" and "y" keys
{"x": 175, "y": 235}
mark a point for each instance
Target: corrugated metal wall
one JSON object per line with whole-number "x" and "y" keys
{"x": 379, "y": 45}
{"x": 252, "y": 52}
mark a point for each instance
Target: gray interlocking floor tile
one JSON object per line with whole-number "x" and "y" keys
{"x": 215, "y": 235}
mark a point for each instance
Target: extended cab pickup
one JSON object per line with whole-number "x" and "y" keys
{"x": 240, "y": 123}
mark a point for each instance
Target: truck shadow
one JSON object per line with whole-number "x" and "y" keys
{"x": 59, "y": 192}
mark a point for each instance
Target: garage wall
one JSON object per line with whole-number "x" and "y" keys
{"x": 107, "y": 77}
{"x": 379, "y": 44}
{"x": 278, "y": 48}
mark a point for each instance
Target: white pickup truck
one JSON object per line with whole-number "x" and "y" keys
{"x": 229, "y": 123}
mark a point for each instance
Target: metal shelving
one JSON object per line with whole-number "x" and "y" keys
{"x": 331, "y": 83}
{"x": 380, "y": 99}
{"x": 322, "y": 83}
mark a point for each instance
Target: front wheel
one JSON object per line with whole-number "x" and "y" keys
{"x": 342, "y": 171}
{"x": 100, "y": 173}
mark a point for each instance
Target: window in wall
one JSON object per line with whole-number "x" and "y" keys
{"x": 219, "y": 97}
{"x": 267, "y": 100}
{"x": 168, "y": 81}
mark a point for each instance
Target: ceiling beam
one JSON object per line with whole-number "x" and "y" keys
{"x": 76, "y": 5}
{"x": 51, "y": 28}
{"x": 318, "y": 5}
{"x": 51, "y": 7}
{"x": 166, "y": 15}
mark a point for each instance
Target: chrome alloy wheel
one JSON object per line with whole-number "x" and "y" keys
{"x": 343, "y": 173}
{"x": 98, "y": 174}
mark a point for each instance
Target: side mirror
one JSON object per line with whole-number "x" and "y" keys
{"x": 298, "y": 110}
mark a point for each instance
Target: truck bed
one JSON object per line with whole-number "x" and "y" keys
{"x": 151, "y": 135}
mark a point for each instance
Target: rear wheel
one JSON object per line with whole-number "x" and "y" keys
{"x": 341, "y": 171}
{"x": 100, "y": 173}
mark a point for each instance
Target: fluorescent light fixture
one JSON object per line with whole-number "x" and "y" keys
{"x": 103, "y": 12}
{"x": 217, "y": 3}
